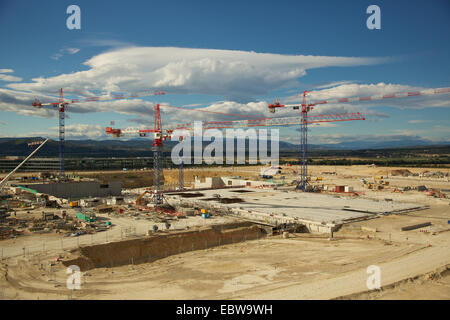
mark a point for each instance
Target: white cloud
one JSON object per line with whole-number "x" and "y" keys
{"x": 418, "y": 121}
{"x": 64, "y": 51}
{"x": 91, "y": 42}
{"x": 9, "y": 78}
{"x": 442, "y": 129}
{"x": 20, "y": 102}
{"x": 324, "y": 125}
{"x": 362, "y": 90}
{"x": 236, "y": 75}
{"x": 333, "y": 84}
{"x": 78, "y": 131}
{"x": 71, "y": 50}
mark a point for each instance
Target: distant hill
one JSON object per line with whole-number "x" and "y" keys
{"x": 98, "y": 148}
{"x": 141, "y": 147}
{"x": 382, "y": 144}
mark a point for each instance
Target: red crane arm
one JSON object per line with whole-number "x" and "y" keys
{"x": 272, "y": 106}
{"x": 264, "y": 122}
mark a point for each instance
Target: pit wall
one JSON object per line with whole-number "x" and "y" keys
{"x": 162, "y": 245}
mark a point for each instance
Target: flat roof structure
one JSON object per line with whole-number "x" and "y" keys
{"x": 291, "y": 206}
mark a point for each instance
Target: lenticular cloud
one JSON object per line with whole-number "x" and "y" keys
{"x": 235, "y": 75}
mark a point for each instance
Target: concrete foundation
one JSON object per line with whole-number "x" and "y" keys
{"x": 319, "y": 213}
{"x": 219, "y": 182}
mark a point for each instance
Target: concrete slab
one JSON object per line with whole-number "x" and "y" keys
{"x": 313, "y": 208}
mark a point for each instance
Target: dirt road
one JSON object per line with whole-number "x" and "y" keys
{"x": 408, "y": 266}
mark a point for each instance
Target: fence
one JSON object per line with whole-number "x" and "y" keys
{"x": 116, "y": 233}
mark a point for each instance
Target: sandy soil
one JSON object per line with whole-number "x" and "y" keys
{"x": 435, "y": 285}
{"x": 302, "y": 267}
{"x": 232, "y": 271}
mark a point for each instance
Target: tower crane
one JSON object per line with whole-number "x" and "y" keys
{"x": 62, "y": 105}
{"x": 305, "y": 108}
{"x": 159, "y": 137}
{"x": 259, "y": 122}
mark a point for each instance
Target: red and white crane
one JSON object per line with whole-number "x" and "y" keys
{"x": 305, "y": 107}
{"x": 61, "y": 106}
{"x": 159, "y": 137}
{"x": 258, "y": 122}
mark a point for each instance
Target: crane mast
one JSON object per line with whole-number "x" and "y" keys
{"x": 157, "y": 158}
{"x": 63, "y": 104}
{"x": 304, "y": 145}
{"x": 306, "y": 107}
{"x": 62, "y": 133}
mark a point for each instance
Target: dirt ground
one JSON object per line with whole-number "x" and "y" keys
{"x": 225, "y": 272}
{"x": 305, "y": 266}
{"x": 434, "y": 284}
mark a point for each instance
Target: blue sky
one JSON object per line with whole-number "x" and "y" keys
{"x": 410, "y": 51}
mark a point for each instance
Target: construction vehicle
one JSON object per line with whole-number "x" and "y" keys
{"x": 73, "y": 204}
{"x": 436, "y": 193}
{"x": 138, "y": 200}
{"x": 374, "y": 186}
{"x": 378, "y": 180}
{"x": 205, "y": 214}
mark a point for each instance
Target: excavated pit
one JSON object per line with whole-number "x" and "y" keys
{"x": 190, "y": 195}
{"x": 158, "y": 246}
{"x": 225, "y": 200}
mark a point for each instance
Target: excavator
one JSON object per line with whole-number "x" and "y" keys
{"x": 138, "y": 200}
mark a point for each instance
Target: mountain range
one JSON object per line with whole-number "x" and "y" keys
{"x": 142, "y": 147}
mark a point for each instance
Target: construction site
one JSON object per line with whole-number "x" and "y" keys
{"x": 291, "y": 231}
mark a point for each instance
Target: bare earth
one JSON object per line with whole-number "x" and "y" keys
{"x": 413, "y": 263}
